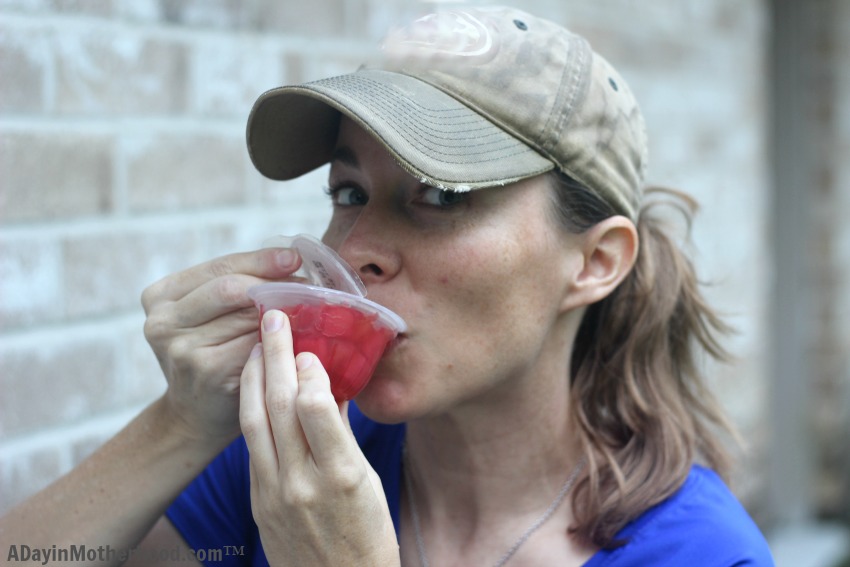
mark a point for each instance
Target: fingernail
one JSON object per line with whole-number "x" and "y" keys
{"x": 272, "y": 321}
{"x": 303, "y": 361}
{"x": 256, "y": 351}
{"x": 286, "y": 258}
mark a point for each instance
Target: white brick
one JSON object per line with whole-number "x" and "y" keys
{"x": 31, "y": 289}
{"x": 58, "y": 380}
{"x": 229, "y": 73}
{"x": 24, "y": 65}
{"x": 139, "y": 10}
{"x": 171, "y": 171}
{"x": 219, "y": 14}
{"x": 48, "y": 175}
{"x": 24, "y": 5}
{"x": 28, "y": 464}
{"x": 29, "y": 473}
{"x": 106, "y": 71}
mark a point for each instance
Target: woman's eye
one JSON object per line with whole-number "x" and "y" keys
{"x": 441, "y": 197}
{"x": 348, "y": 196}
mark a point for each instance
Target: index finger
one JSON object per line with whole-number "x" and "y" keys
{"x": 268, "y": 263}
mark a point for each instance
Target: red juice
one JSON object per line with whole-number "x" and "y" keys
{"x": 348, "y": 342}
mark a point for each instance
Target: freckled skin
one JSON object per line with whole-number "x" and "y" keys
{"x": 479, "y": 284}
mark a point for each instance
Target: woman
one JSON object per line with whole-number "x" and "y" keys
{"x": 543, "y": 408}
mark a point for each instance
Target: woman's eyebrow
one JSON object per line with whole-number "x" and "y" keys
{"x": 345, "y": 156}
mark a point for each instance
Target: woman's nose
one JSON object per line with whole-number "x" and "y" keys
{"x": 371, "y": 250}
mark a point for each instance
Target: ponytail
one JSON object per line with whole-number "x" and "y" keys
{"x": 643, "y": 411}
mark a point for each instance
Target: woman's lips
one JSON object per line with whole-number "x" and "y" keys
{"x": 399, "y": 339}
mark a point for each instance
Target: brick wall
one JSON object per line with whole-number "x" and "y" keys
{"x": 122, "y": 160}
{"x": 122, "y": 156}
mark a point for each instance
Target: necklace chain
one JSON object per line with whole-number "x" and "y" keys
{"x": 417, "y": 531}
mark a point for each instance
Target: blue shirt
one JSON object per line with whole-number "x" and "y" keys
{"x": 701, "y": 525}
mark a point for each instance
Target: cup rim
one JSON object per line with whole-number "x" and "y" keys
{"x": 388, "y": 317}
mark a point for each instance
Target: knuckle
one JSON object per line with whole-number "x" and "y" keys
{"x": 314, "y": 404}
{"x": 148, "y": 298}
{"x": 301, "y": 494}
{"x": 154, "y": 294}
{"x": 248, "y": 315}
{"x": 348, "y": 477}
{"x": 276, "y": 347}
{"x": 156, "y": 326}
{"x": 229, "y": 289}
{"x": 180, "y": 351}
{"x": 251, "y": 423}
{"x": 278, "y": 401}
{"x": 221, "y": 267}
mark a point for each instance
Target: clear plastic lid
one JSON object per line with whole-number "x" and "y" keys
{"x": 327, "y": 279}
{"x": 321, "y": 266}
{"x": 284, "y": 295}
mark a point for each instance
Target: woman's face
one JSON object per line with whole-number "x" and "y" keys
{"x": 478, "y": 277}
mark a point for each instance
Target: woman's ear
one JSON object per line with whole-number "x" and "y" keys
{"x": 609, "y": 250}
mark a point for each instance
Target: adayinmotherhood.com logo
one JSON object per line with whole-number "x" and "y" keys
{"x": 89, "y": 554}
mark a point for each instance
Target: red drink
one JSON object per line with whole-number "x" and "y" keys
{"x": 330, "y": 315}
{"x": 347, "y": 341}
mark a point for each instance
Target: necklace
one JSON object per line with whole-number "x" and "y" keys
{"x": 420, "y": 544}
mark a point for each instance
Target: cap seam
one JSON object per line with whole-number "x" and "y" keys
{"x": 341, "y": 107}
{"x": 506, "y": 127}
{"x": 399, "y": 125}
{"x": 549, "y": 142}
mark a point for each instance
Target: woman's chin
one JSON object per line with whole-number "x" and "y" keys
{"x": 384, "y": 399}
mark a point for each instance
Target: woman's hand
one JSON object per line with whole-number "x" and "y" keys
{"x": 315, "y": 498}
{"x": 201, "y": 326}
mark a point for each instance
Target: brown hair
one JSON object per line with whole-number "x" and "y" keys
{"x": 643, "y": 410}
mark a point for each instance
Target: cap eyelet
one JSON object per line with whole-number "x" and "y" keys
{"x": 613, "y": 84}
{"x": 521, "y": 25}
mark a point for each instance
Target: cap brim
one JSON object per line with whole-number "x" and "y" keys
{"x": 432, "y": 135}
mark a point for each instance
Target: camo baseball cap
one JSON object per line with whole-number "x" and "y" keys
{"x": 467, "y": 99}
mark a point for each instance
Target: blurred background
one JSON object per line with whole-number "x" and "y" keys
{"x": 122, "y": 159}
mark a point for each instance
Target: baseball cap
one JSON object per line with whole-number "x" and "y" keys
{"x": 467, "y": 99}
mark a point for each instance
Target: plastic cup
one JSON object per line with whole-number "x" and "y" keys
{"x": 346, "y": 331}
